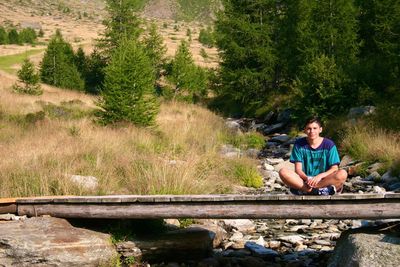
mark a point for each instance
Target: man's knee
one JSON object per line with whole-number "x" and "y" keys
{"x": 283, "y": 173}
{"x": 341, "y": 175}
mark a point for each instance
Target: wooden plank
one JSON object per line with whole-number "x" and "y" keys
{"x": 8, "y": 208}
{"x": 295, "y": 209}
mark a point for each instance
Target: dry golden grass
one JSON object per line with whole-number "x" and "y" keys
{"x": 179, "y": 156}
{"x": 371, "y": 144}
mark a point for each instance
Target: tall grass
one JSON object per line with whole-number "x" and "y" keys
{"x": 372, "y": 144}
{"x": 179, "y": 156}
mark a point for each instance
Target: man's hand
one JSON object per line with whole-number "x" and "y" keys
{"x": 314, "y": 181}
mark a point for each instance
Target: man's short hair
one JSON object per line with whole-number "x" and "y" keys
{"x": 313, "y": 119}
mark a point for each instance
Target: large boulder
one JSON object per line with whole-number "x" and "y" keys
{"x": 366, "y": 248}
{"x": 46, "y": 241}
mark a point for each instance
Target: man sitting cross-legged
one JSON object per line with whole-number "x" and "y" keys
{"x": 316, "y": 161}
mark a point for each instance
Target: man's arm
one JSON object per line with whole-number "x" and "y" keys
{"x": 298, "y": 168}
{"x": 314, "y": 181}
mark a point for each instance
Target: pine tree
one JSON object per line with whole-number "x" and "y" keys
{"x": 3, "y": 36}
{"x": 155, "y": 49}
{"x": 13, "y": 37}
{"x": 57, "y": 67}
{"x": 28, "y": 76}
{"x": 28, "y": 36}
{"x": 94, "y": 75}
{"x": 244, "y": 38}
{"x": 190, "y": 80}
{"x": 122, "y": 23}
{"x": 128, "y": 93}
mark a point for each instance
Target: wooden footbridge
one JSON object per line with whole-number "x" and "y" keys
{"x": 269, "y": 206}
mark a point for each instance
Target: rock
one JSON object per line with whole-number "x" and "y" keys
{"x": 292, "y": 239}
{"x": 273, "y": 161}
{"x": 374, "y": 167}
{"x": 172, "y": 223}
{"x": 191, "y": 243}
{"x": 394, "y": 186}
{"x": 274, "y": 244}
{"x": 388, "y": 178}
{"x": 237, "y": 236}
{"x": 129, "y": 249}
{"x": 219, "y": 233}
{"x": 87, "y": 182}
{"x": 11, "y": 217}
{"x": 46, "y": 241}
{"x": 378, "y": 189}
{"x": 260, "y": 251}
{"x": 296, "y": 228}
{"x": 268, "y": 167}
{"x": 228, "y": 151}
{"x": 31, "y": 24}
{"x": 345, "y": 161}
{"x": 285, "y": 164}
{"x": 283, "y": 138}
{"x": 374, "y": 176}
{"x": 260, "y": 241}
{"x": 242, "y": 225}
{"x": 360, "y": 111}
{"x": 322, "y": 242}
{"x": 284, "y": 116}
{"x": 366, "y": 248}
{"x": 236, "y": 253}
{"x": 252, "y": 153}
{"x": 232, "y": 125}
{"x": 273, "y": 128}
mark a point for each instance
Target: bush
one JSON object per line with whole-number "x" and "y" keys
{"x": 206, "y": 37}
{"x": 245, "y": 141}
{"x": 128, "y": 94}
{"x": 28, "y": 76}
{"x": 247, "y": 174}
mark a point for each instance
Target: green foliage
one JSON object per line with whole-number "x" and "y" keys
{"x": 40, "y": 33}
{"x": 122, "y": 24}
{"x": 203, "y": 53}
{"x": 245, "y": 141}
{"x": 3, "y": 36}
{"x": 155, "y": 49}
{"x": 57, "y": 67}
{"x": 94, "y": 75}
{"x": 185, "y": 222}
{"x": 28, "y": 35}
{"x": 71, "y": 110}
{"x": 128, "y": 93}
{"x": 320, "y": 88}
{"x": 13, "y": 37}
{"x": 7, "y": 62}
{"x": 247, "y": 174}
{"x": 206, "y": 37}
{"x": 190, "y": 80}
{"x": 28, "y": 76}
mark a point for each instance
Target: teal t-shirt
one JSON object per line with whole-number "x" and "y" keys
{"x": 315, "y": 161}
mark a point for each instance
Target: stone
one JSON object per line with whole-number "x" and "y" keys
{"x": 11, "y": 217}
{"x": 87, "y": 182}
{"x": 283, "y": 138}
{"x": 237, "y": 236}
{"x": 273, "y": 161}
{"x": 252, "y": 153}
{"x": 378, "y": 189}
{"x": 46, "y": 241}
{"x": 260, "y": 241}
{"x": 129, "y": 249}
{"x": 233, "y": 125}
{"x": 360, "y": 111}
{"x": 292, "y": 239}
{"x": 218, "y": 233}
{"x": 192, "y": 243}
{"x": 273, "y": 128}
{"x": 345, "y": 161}
{"x": 268, "y": 167}
{"x": 285, "y": 164}
{"x": 374, "y": 167}
{"x": 322, "y": 242}
{"x": 274, "y": 244}
{"x": 366, "y": 248}
{"x": 236, "y": 253}
{"x": 172, "y": 223}
{"x": 297, "y": 228}
{"x": 374, "y": 176}
{"x": 394, "y": 186}
{"x": 260, "y": 251}
{"x": 388, "y": 178}
{"x": 242, "y": 225}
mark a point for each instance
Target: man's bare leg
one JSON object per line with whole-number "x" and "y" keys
{"x": 337, "y": 179}
{"x": 291, "y": 179}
